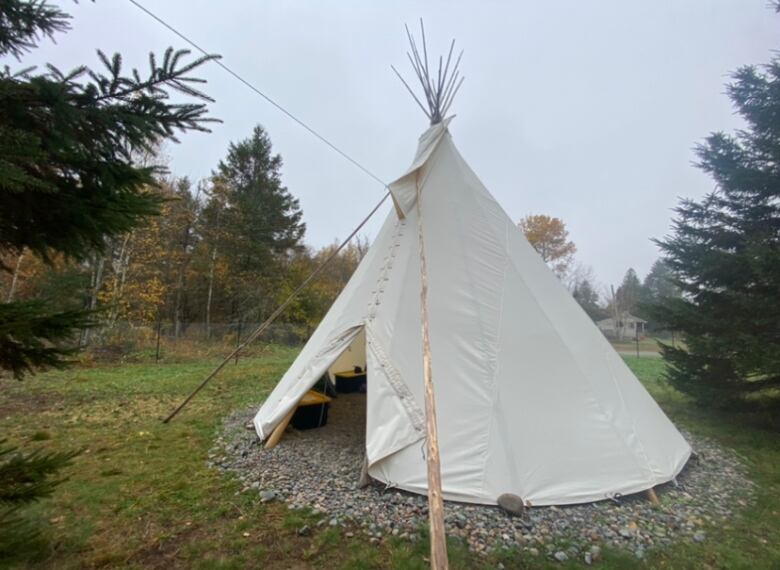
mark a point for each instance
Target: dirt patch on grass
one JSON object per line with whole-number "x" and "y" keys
{"x": 123, "y": 411}
{"x": 260, "y": 537}
{"x": 162, "y": 552}
{"x": 19, "y": 402}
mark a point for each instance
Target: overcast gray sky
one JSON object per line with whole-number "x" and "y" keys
{"x": 587, "y": 111}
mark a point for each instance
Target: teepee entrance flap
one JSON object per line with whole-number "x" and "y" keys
{"x": 280, "y": 402}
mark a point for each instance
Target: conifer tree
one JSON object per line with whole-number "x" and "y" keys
{"x": 585, "y": 294}
{"x": 658, "y": 284}
{"x": 724, "y": 253}
{"x": 629, "y": 292}
{"x": 68, "y": 183}
{"x": 262, "y": 220}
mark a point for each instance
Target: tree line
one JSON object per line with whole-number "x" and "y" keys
{"x": 227, "y": 249}
{"x": 550, "y": 238}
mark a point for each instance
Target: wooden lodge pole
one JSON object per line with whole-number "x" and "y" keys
{"x": 276, "y": 435}
{"x": 435, "y": 500}
{"x": 652, "y": 497}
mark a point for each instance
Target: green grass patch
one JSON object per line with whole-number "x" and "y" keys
{"x": 141, "y": 495}
{"x": 40, "y": 436}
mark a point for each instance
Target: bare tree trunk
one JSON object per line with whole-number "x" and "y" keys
{"x": 209, "y": 296}
{"x": 14, "y": 279}
{"x": 120, "y": 276}
{"x": 96, "y": 284}
{"x": 177, "y": 303}
{"x": 180, "y": 283}
{"x": 123, "y": 278}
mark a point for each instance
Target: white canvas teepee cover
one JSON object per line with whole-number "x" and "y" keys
{"x": 531, "y": 399}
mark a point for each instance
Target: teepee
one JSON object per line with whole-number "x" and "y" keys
{"x": 530, "y": 397}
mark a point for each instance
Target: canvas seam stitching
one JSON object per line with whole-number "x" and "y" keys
{"x": 496, "y": 370}
{"x": 396, "y": 383}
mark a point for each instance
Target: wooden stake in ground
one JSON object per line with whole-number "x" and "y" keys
{"x": 652, "y": 497}
{"x": 435, "y": 500}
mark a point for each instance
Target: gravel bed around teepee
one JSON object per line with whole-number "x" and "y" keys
{"x": 318, "y": 469}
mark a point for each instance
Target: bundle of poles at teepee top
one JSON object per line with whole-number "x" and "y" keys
{"x": 438, "y": 94}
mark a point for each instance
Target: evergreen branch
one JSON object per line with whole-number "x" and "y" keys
{"x": 23, "y": 73}
{"x": 16, "y": 532}
{"x": 31, "y": 337}
{"x": 760, "y": 384}
{"x": 25, "y": 478}
{"x": 23, "y": 24}
{"x": 117, "y": 87}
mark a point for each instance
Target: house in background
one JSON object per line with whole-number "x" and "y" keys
{"x": 627, "y": 326}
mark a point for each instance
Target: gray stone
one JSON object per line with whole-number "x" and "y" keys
{"x": 595, "y": 552}
{"x": 512, "y": 504}
{"x": 304, "y": 530}
{"x": 301, "y": 473}
{"x": 267, "y": 496}
{"x": 561, "y": 556}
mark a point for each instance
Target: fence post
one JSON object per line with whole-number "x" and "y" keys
{"x": 238, "y": 339}
{"x": 636, "y": 328}
{"x": 157, "y": 350}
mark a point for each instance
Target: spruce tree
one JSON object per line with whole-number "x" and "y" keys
{"x": 69, "y": 183}
{"x": 658, "y": 284}
{"x": 585, "y": 294}
{"x": 262, "y": 221}
{"x": 629, "y": 292}
{"x": 724, "y": 254}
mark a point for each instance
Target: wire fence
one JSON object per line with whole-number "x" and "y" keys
{"x": 165, "y": 341}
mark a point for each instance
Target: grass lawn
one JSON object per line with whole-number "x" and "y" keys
{"x": 141, "y": 495}
{"x": 646, "y": 345}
